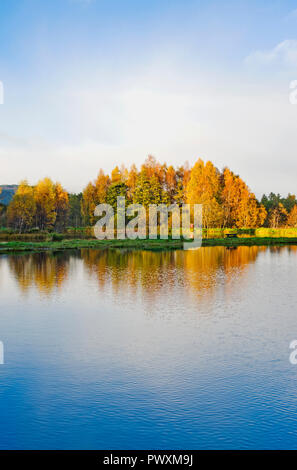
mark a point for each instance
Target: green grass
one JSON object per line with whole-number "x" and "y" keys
{"x": 276, "y": 232}
{"x": 79, "y": 244}
{"x": 154, "y": 245}
{"x": 250, "y": 241}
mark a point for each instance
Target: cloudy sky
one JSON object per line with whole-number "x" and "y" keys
{"x": 95, "y": 83}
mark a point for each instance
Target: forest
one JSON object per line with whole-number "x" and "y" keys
{"x": 227, "y": 200}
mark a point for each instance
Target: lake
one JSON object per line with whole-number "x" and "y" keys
{"x": 116, "y": 349}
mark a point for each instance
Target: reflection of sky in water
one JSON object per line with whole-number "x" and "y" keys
{"x": 110, "y": 349}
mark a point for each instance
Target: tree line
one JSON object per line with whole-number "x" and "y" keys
{"x": 226, "y": 198}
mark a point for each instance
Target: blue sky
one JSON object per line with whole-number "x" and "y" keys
{"x": 95, "y": 83}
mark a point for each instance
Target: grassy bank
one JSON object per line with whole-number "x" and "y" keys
{"x": 15, "y": 246}
{"x": 155, "y": 245}
{"x": 250, "y": 241}
{"x": 87, "y": 233}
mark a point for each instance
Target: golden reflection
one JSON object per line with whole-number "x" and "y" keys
{"x": 140, "y": 272}
{"x": 152, "y": 272}
{"x": 42, "y": 270}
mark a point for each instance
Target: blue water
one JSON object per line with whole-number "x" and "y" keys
{"x": 139, "y": 350}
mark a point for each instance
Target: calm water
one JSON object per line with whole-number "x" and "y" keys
{"x": 117, "y": 349}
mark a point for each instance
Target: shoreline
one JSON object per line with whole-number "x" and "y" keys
{"x": 147, "y": 244}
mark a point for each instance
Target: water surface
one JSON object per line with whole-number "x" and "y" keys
{"x": 133, "y": 349}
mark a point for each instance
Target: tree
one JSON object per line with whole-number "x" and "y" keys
{"x": 101, "y": 186}
{"x": 278, "y": 216}
{"x": 171, "y": 183}
{"x": 292, "y": 218}
{"x": 241, "y": 208}
{"x": 149, "y": 191}
{"x": 150, "y": 167}
{"x": 88, "y": 204}
{"x": 183, "y": 174}
{"x": 131, "y": 182}
{"x": 74, "y": 215}
{"x": 251, "y": 214}
{"x": 22, "y": 208}
{"x": 3, "y": 215}
{"x": 61, "y": 207}
{"x": 271, "y": 204}
{"x": 289, "y": 202}
{"x": 204, "y": 188}
{"x": 116, "y": 175}
{"x": 204, "y": 183}
{"x": 45, "y": 199}
{"x": 154, "y": 169}
{"x": 213, "y": 214}
{"x": 114, "y": 191}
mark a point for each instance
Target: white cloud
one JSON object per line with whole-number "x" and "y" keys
{"x": 285, "y": 54}
{"x": 171, "y": 114}
{"x": 251, "y": 131}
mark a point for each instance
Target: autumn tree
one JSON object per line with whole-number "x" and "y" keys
{"x": 94, "y": 194}
{"x": 271, "y": 203}
{"x": 227, "y": 200}
{"x": 241, "y": 208}
{"x": 153, "y": 169}
{"x": 204, "y": 183}
{"x": 45, "y": 199}
{"x": 149, "y": 190}
{"x": 149, "y": 167}
{"x": 292, "y": 217}
{"x": 204, "y": 188}
{"x": 114, "y": 191}
{"x": 101, "y": 186}
{"x": 171, "y": 183}
{"x": 22, "y": 209}
{"x": 131, "y": 181}
{"x": 213, "y": 214}
{"x": 116, "y": 175}
{"x": 124, "y": 173}
{"x": 61, "y": 207}
{"x": 278, "y": 216}
{"x": 88, "y": 204}
{"x": 183, "y": 174}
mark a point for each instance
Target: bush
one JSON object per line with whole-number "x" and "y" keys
{"x": 6, "y": 230}
{"x": 24, "y": 237}
{"x": 276, "y": 232}
{"x": 34, "y": 230}
{"x": 79, "y": 232}
{"x": 57, "y": 237}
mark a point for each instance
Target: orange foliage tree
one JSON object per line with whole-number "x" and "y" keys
{"x": 227, "y": 200}
{"x": 292, "y": 217}
{"x": 241, "y": 208}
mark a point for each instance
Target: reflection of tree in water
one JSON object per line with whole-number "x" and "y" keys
{"x": 279, "y": 249}
{"x": 43, "y": 270}
{"x": 141, "y": 272}
{"x": 152, "y": 272}
{"x": 209, "y": 267}
{"x": 131, "y": 269}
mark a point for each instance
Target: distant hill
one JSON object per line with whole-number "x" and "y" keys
{"x": 7, "y": 192}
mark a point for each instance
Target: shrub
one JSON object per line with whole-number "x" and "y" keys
{"x": 57, "y": 237}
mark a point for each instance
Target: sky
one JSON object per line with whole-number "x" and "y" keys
{"x": 91, "y": 84}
